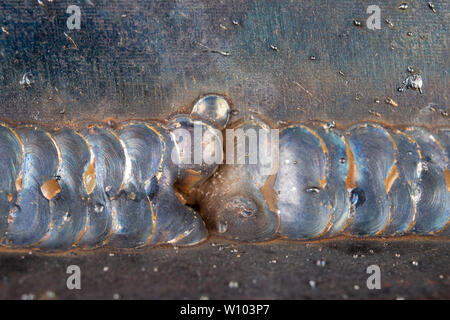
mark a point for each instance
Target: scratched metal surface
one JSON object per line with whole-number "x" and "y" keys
{"x": 150, "y": 59}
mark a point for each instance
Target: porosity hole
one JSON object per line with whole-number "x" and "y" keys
{"x": 357, "y": 197}
{"x": 312, "y": 190}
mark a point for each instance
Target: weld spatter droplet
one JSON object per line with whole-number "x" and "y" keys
{"x": 212, "y": 108}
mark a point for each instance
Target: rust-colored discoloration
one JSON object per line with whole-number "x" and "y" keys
{"x": 393, "y": 173}
{"x": 19, "y": 182}
{"x": 50, "y": 188}
{"x": 447, "y": 179}
{"x": 413, "y": 220}
{"x": 153, "y": 226}
{"x": 316, "y": 241}
{"x": 442, "y": 229}
{"x": 111, "y": 122}
{"x": 82, "y": 232}
{"x": 269, "y": 193}
{"x": 190, "y": 180}
{"x": 89, "y": 177}
{"x": 329, "y": 223}
{"x": 446, "y": 171}
{"x": 350, "y": 182}
{"x": 46, "y": 237}
{"x": 179, "y": 237}
{"x": 390, "y": 179}
{"x": 323, "y": 179}
{"x": 386, "y": 225}
{"x": 180, "y": 196}
{"x": 391, "y": 102}
{"x": 111, "y": 231}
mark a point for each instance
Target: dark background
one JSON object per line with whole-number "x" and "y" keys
{"x": 150, "y": 59}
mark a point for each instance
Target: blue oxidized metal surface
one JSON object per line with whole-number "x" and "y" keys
{"x": 285, "y": 60}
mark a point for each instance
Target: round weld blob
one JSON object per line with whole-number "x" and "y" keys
{"x": 433, "y": 205}
{"x": 303, "y": 167}
{"x": 31, "y": 216}
{"x": 11, "y": 160}
{"x": 374, "y": 155}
